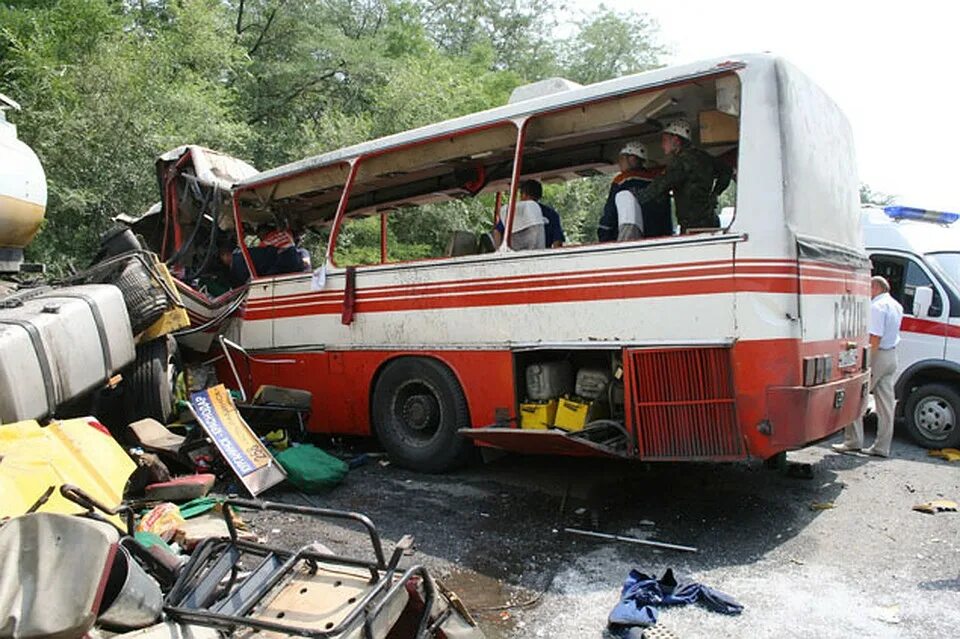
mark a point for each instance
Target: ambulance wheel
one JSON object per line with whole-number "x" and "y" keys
{"x": 149, "y": 382}
{"x": 418, "y": 407}
{"x": 932, "y": 416}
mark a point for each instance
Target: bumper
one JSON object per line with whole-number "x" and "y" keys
{"x": 799, "y": 415}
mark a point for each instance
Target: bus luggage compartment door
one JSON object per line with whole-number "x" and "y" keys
{"x": 680, "y": 404}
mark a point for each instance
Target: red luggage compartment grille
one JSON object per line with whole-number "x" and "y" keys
{"x": 682, "y": 403}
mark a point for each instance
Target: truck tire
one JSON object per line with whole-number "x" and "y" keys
{"x": 418, "y": 407}
{"x": 932, "y": 416}
{"x": 149, "y": 382}
{"x": 145, "y": 301}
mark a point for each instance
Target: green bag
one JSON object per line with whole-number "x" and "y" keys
{"x": 311, "y": 469}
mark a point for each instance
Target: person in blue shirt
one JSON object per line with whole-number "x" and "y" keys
{"x": 553, "y": 228}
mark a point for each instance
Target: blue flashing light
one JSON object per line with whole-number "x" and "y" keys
{"x": 910, "y": 213}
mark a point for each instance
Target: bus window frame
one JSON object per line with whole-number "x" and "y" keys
{"x": 238, "y": 221}
{"x": 520, "y": 124}
{"x": 341, "y": 214}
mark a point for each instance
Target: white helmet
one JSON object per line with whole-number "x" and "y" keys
{"x": 634, "y": 147}
{"x": 680, "y": 128}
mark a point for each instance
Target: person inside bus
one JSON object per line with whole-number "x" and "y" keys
{"x": 528, "y": 224}
{"x": 553, "y": 227}
{"x": 623, "y": 218}
{"x": 694, "y": 176}
{"x": 276, "y": 251}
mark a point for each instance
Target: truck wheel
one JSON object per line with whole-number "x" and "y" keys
{"x": 149, "y": 383}
{"x": 145, "y": 300}
{"x": 932, "y": 413}
{"x": 418, "y": 406}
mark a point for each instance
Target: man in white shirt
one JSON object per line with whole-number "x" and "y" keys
{"x": 885, "y": 316}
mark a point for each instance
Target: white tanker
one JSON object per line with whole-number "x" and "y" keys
{"x": 57, "y": 343}
{"x": 23, "y": 192}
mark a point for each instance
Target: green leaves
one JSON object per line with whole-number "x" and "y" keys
{"x": 107, "y": 85}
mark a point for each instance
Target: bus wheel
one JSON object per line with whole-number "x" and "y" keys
{"x": 932, "y": 413}
{"x": 418, "y": 407}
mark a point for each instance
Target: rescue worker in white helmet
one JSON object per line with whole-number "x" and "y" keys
{"x": 623, "y": 218}
{"x": 695, "y": 177}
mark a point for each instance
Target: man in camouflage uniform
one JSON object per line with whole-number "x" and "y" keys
{"x": 695, "y": 177}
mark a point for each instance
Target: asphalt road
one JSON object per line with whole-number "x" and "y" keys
{"x": 867, "y": 567}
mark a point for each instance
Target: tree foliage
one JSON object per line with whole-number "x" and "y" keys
{"x": 877, "y": 198}
{"x": 107, "y": 85}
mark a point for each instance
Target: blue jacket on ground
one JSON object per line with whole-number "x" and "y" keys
{"x": 642, "y": 595}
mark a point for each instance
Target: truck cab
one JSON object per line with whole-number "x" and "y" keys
{"x": 918, "y": 252}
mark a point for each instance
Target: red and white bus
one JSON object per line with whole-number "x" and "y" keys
{"x": 731, "y": 344}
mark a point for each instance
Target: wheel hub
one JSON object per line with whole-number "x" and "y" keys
{"x": 934, "y": 417}
{"x": 417, "y": 411}
{"x": 420, "y": 411}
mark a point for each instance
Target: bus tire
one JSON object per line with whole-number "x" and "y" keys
{"x": 149, "y": 383}
{"x": 418, "y": 407}
{"x": 932, "y": 416}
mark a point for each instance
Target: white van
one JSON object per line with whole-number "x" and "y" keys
{"x": 918, "y": 252}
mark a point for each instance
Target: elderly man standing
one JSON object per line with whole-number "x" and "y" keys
{"x": 885, "y": 316}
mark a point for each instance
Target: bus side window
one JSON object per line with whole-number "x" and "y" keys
{"x": 359, "y": 242}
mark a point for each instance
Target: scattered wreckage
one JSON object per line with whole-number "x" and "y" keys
{"x": 103, "y": 559}
{"x": 91, "y": 573}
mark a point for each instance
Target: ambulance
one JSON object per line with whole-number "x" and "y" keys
{"x": 918, "y": 252}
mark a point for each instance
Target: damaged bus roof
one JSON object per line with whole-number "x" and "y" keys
{"x": 555, "y": 100}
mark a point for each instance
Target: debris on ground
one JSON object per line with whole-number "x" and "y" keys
{"x": 822, "y": 505}
{"x": 948, "y": 454}
{"x": 936, "y": 506}
{"x": 93, "y": 577}
{"x": 310, "y": 469}
{"x": 68, "y": 560}
{"x": 311, "y": 590}
{"x": 642, "y": 595}
{"x": 162, "y": 520}
{"x": 249, "y": 458}
{"x": 154, "y": 437}
{"x": 80, "y": 452}
{"x": 115, "y": 536}
{"x": 627, "y": 539}
{"x": 181, "y": 488}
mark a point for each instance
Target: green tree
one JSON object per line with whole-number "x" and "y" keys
{"x": 104, "y": 94}
{"x": 516, "y": 33}
{"x": 877, "y": 198}
{"x": 107, "y": 85}
{"x": 610, "y": 44}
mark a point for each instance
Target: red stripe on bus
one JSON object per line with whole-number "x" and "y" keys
{"x": 368, "y": 303}
{"x": 596, "y": 276}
